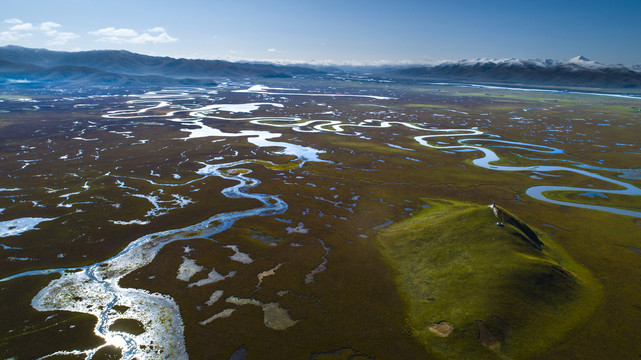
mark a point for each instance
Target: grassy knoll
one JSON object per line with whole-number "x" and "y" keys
{"x": 473, "y": 289}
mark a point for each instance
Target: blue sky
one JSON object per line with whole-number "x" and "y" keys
{"x": 333, "y": 31}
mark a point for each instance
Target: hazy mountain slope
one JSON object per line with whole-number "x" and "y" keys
{"x": 125, "y": 62}
{"x": 80, "y": 76}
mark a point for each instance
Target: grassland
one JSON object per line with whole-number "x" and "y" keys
{"x": 503, "y": 291}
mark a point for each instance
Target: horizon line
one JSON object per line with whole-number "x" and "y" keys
{"x": 331, "y": 62}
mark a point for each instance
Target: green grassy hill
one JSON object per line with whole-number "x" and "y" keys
{"x": 477, "y": 290}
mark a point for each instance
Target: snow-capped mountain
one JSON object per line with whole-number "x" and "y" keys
{"x": 577, "y": 61}
{"x": 577, "y": 71}
{"x": 580, "y": 59}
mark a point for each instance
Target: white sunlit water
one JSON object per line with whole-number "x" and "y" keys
{"x": 18, "y": 226}
{"x": 485, "y": 161}
{"x": 94, "y": 289}
{"x": 261, "y": 89}
{"x": 586, "y": 93}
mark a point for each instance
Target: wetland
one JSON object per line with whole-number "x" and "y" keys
{"x": 320, "y": 219}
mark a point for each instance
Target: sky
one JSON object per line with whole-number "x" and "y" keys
{"x": 332, "y": 31}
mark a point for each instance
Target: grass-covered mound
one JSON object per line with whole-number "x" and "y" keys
{"x": 474, "y": 289}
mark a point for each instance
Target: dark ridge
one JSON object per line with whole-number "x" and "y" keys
{"x": 524, "y": 232}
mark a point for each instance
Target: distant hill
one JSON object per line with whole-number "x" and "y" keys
{"x": 578, "y": 71}
{"x": 81, "y": 76}
{"x": 124, "y": 68}
{"x": 21, "y": 66}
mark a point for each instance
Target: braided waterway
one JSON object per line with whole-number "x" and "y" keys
{"x": 95, "y": 289}
{"x": 489, "y": 156}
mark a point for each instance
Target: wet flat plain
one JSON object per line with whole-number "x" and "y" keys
{"x": 242, "y": 221}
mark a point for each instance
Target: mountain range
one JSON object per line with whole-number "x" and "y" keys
{"x": 21, "y": 66}
{"x": 124, "y": 68}
{"x": 576, "y": 72}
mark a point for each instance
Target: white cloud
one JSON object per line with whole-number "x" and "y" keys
{"x": 49, "y": 26}
{"x": 19, "y": 29}
{"x": 13, "y": 21}
{"x": 271, "y": 50}
{"x": 111, "y": 32}
{"x": 22, "y": 27}
{"x": 12, "y": 36}
{"x": 60, "y": 38}
{"x": 147, "y": 38}
{"x": 124, "y": 35}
